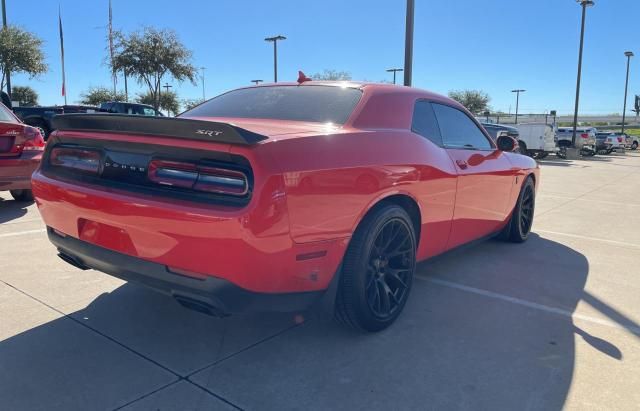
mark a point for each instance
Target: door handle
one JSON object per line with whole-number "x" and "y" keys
{"x": 462, "y": 164}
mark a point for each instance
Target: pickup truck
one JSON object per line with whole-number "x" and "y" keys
{"x": 40, "y": 117}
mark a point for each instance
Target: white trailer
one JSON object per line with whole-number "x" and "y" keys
{"x": 537, "y": 139}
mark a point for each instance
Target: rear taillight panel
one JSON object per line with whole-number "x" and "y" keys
{"x": 33, "y": 140}
{"x": 76, "y": 159}
{"x": 198, "y": 177}
{"x": 193, "y": 175}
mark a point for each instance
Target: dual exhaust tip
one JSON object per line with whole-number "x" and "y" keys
{"x": 191, "y": 303}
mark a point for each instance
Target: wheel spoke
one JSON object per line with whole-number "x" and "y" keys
{"x": 394, "y": 275}
{"x": 385, "y": 303}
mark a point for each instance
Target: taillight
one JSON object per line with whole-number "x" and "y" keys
{"x": 173, "y": 173}
{"x": 76, "y": 159}
{"x": 584, "y": 135}
{"x": 198, "y": 177}
{"x": 220, "y": 180}
{"x": 34, "y": 140}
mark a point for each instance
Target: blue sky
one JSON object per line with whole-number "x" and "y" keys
{"x": 492, "y": 45}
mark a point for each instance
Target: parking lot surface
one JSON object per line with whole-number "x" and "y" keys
{"x": 550, "y": 324}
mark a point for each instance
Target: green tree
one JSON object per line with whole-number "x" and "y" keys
{"x": 168, "y": 101}
{"x": 150, "y": 56}
{"x": 20, "y": 52}
{"x": 476, "y": 101}
{"x": 24, "y": 95}
{"x": 188, "y": 104}
{"x": 332, "y": 75}
{"x": 96, "y": 95}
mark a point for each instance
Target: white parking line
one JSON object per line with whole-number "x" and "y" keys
{"x": 540, "y": 307}
{"x": 40, "y": 230}
{"x": 21, "y": 221}
{"x": 584, "y": 237}
{"x": 590, "y": 200}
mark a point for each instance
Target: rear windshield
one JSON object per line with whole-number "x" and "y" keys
{"x": 322, "y": 104}
{"x": 5, "y": 115}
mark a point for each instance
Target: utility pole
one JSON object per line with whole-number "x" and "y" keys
{"x": 517, "y": 100}
{"x": 408, "y": 43}
{"x": 203, "y": 69}
{"x": 584, "y": 4}
{"x": 274, "y": 40}
{"x": 256, "y": 82}
{"x": 4, "y": 26}
{"x": 166, "y": 87}
{"x": 629, "y": 54}
{"x": 394, "y": 70}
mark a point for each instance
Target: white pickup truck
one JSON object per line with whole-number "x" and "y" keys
{"x": 536, "y": 140}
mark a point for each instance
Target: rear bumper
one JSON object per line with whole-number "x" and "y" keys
{"x": 15, "y": 173}
{"x": 250, "y": 247}
{"x": 211, "y": 295}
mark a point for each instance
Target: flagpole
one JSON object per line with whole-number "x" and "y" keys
{"x": 64, "y": 82}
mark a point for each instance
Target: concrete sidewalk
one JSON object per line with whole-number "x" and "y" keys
{"x": 553, "y": 323}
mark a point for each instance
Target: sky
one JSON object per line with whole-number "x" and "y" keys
{"x": 492, "y": 45}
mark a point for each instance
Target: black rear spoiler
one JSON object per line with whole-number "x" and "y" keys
{"x": 157, "y": 126}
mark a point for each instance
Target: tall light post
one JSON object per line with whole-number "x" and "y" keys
{"x": 166, "y": 86}
{"x": 394, "y": 70}
{"x": 584, "y": 4}
{"x": 4, "y": 27}
{"x": 274, "y": 40}
{"x": 629, "y": 54}
{"x": 202, "y": 77}
{"x": 517, "y": 100}
{"x": 256, "y": 82}
{"x": 408, "y": 43}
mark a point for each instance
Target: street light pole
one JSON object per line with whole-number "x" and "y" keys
{"x": 394, "y": 70}
{"x": 274, "y": 40}
{"x": 408, "y": 43}
{"x": 4, "y": 26}
{"x": 629, "y": 54}
{"x": 517, "y": 100}
{"x": 584, "y": 4}
{"x": 202, "y": 77}
{"x": 166, "y": 87}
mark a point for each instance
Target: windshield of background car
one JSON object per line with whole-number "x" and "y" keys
{"x": 322, "y": 104}
{"x": 6, "y": 116}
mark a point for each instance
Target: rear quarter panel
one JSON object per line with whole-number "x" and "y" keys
{"x": 332, "y": 180}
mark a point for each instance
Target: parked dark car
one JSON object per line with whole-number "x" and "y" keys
{"x": 40, "y": 117}
{"x": 121, "y": 107}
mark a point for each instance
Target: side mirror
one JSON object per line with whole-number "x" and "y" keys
{"x": 506, "y": 143}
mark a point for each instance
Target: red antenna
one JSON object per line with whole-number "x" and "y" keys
{"x": 302, "y": 77}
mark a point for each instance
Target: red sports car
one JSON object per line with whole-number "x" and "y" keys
{"x": 278, "y": 196}
{"x": 21, "y": 149}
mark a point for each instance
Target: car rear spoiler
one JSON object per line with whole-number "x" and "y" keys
{"x": 184, "y": 128}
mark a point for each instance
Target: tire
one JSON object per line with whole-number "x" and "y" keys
{"x": 22, "y": 195}
{"x": 634, "y": 146}
{"x": 523, "y": 148}
{"x": 540, "y": 155}
{"x": 377, "y": 271}
{"x": 519, "y": 226}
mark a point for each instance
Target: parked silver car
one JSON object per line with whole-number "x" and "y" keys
{"x": 585, "y": 137}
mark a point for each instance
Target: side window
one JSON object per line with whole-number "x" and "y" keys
{"x": 458, "y": 130}
{"x": 424, "y": 122}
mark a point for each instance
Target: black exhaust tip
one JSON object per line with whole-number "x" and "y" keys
{"x": 73, "y": 261}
